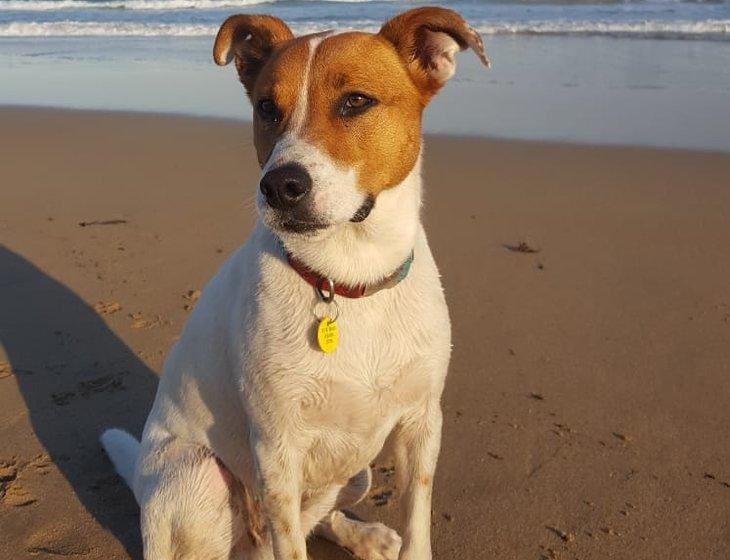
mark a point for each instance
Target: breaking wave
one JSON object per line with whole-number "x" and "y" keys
{"x": 710, "y": 29}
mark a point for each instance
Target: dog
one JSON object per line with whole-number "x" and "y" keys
{"x": 327, "y": 332}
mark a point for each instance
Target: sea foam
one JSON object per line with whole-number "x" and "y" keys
{"x": 710, "y": 29}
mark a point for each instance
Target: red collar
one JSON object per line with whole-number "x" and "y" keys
{"x": 325, "y": 285}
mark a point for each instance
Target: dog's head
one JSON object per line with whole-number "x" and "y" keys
{"x": 337, "y": 117}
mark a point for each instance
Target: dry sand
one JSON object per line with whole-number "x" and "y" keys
{"x": 587, "y": 412}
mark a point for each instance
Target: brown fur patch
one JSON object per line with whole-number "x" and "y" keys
{"x": 255, "y": 523}
{"x": 383, "y": 143}
{"x": 280, "y": 80}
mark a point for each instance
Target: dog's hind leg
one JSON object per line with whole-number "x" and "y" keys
{"x": 367, "y": 541}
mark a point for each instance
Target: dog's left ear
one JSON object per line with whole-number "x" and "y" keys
{"x": 427, "y": 40}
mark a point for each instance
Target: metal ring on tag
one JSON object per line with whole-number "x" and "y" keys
{"x": 331, "y": 287}
{"x": 337, "y": 311}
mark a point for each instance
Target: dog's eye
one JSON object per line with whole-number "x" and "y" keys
{"x": 267, "y": 110}
{"x": 356, "y": 103}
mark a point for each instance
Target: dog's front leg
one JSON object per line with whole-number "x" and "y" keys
{"x": 279, "y": 475}
{"x": 417, "y": 444}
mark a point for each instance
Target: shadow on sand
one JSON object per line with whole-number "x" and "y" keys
{"x": 77, "y": 378}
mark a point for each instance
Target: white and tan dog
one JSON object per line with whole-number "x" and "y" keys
{"x": 257, "y": 436}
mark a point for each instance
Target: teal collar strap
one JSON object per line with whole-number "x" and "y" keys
{"x": 327, "y": 287}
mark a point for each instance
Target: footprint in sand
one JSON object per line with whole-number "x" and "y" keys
{"x": 57, "y": 539}
{"x": 12, "y": 492}
{"x": 191, "y": 296}
{"x": 6, "y": 370}
{"x": 105, "y": 384}
{"x": 107, "y": 308}
{"x": 8, "y": 474}
{"x": 140, "y": 322}
{"x": 17, "y": 496}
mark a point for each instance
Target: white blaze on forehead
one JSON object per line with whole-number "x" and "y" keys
{"x": 299, "y": 115}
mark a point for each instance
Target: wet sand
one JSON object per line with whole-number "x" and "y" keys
{"x": 588, "y": 402}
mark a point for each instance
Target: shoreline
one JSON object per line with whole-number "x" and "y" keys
{"x": 567, "y": 89}
{"x": 51, "y": 109}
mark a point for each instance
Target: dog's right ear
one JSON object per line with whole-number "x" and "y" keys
{"x": 427, "y": 39}
{"x": 249, "y": 40}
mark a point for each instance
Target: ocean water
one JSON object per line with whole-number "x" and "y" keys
{"x": 679, "y": 19}
{"x": 647, "y": 72}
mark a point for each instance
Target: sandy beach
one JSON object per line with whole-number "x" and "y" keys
{"x": 588, "y": 401}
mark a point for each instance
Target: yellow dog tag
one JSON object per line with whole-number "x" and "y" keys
{"x": 328, "y": 335}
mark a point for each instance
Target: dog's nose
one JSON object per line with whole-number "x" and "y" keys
{"x": 284, "y": 187}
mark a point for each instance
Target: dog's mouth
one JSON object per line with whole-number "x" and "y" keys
{"x": 304, "y": 222}
{"x": 289, "y": 222}
{"x": 299, "y": 226}
{"x": 364, "y": 210}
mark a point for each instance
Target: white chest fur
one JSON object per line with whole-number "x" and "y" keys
{"x": 340, "y": 407}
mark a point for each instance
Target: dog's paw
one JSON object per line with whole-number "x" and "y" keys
{"x": 374, "y": 541}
